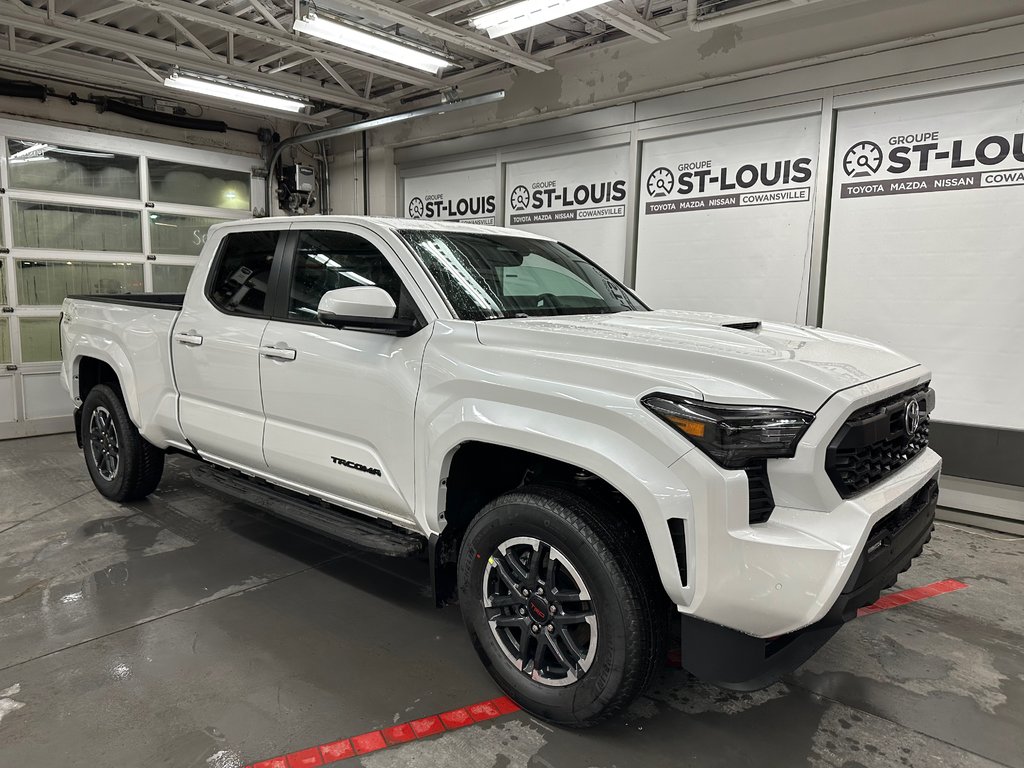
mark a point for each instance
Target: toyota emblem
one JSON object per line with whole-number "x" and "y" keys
{"x": 912, "y": 417}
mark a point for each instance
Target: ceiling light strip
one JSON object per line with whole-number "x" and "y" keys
{"x": 232, "y": 92}
{"x": 527, "y": 13}
{"x": 375, "y": 45}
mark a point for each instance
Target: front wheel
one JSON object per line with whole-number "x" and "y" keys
{"x": 122, "y": 464}
{"x": 561, "y": 614}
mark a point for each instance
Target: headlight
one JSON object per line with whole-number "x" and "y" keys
{"x": 733, "y": 435}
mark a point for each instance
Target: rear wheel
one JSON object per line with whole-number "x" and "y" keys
{"x": 122, "y": 464}
{"x": 563, "y": 617}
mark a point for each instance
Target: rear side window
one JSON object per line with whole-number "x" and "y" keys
{"x": 241, "y": 277}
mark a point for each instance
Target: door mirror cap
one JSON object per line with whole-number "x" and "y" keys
{"x": 367, "y": 301}
{"x": 366, "y": 307}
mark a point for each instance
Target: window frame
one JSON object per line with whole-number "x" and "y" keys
{"x": 281, "y": 299}
{"x": 273, "y": 283}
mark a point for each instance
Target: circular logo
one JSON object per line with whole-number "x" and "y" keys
{"x": 863, "y": 159}
{"x": 912, "y": 417}
{"x": 416, "y": 208}
{"x": 661, "y": 182}
{"x": 538, "y": 608}
{"x": 520, "y": 198}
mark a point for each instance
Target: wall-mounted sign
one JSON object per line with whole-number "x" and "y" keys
{"x": 744, "y": 245}
{"x": 452, "y": 196}
{"x": 924, "y": 248}
{"x": 698, "y": 186}
{"x": 579, "y": 198}
{"x": 932, "y": 161}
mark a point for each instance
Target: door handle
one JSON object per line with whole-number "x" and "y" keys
{"x": 191, "y": 338}
{"x": 278, "y": 353}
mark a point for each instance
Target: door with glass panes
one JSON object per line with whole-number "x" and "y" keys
{"x": 82, "y": 213}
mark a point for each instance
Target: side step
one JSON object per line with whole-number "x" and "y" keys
{"x": 361, "y": 533}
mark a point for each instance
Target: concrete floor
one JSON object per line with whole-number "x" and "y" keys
{"x": 185, "y": 631}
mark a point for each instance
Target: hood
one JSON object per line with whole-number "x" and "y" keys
{"x": 697, "y": 353}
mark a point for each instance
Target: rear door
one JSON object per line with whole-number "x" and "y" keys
{"x": 339, "y": 403}
{"x": 215, "y": 346}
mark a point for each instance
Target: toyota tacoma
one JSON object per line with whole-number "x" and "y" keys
{"x": 578, "y": 468}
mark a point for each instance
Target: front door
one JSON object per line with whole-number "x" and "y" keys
{"x": 215, "y": 347}
{"x": 339, "y": 403}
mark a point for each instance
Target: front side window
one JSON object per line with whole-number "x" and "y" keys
{"x": 327, "y": 260}
{"x": 487, "y": 277}
{"x": 241, "y": 278}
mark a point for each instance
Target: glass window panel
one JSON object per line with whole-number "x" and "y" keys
{"x": 52, "y": 168}
{"x": 47, "y": 283}
{"x": 242, "y": 272}
{"x": 70, "y": 227}
{"x": 326, "y": 261}
{"x": 40, "y": 342}
{"x": 170, "y": 278}
{"x": 184, "y": 235}
{"x": 3, "y": 287}
{"x": 5, "y": 341}
{"x": 171, "y": 182}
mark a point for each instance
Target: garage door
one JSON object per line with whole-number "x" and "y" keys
{"x": 83, "y": 213}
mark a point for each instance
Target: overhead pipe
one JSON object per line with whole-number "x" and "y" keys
{"x": 366, "y": 125}
{"x": 733, "y": 17}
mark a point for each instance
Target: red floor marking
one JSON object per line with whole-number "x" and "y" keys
{"x": 457, "y": 718}
{"x": 485, "y": 710}
{"x": 912, "y": 596}
{"x": 336, "y": 750}
{"x": 307, "y": 758}
{"x": 428, "y": 726}
{"x": 369, "y": 742}
{"x": 399, "y": 734}
{"x": 394, "y": 735}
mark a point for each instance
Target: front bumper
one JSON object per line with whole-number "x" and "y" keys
{"x": 733, "y": 659}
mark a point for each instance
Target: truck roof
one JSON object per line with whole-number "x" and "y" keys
{"x": 387, "y": 222}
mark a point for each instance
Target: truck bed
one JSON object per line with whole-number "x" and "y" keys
{"x": 172, "y": 301}
{"x": 130, "y": 333}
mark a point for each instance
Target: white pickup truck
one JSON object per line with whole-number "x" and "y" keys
{"x": 578, "y": 468}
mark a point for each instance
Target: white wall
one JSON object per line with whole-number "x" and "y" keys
{"x": 633, "y": 70}
{"x": 347, "y": 178}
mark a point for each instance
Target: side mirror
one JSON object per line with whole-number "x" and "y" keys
{"x": 365, "y": 307}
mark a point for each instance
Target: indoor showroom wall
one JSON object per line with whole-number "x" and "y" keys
{"x": 887, "y": 207}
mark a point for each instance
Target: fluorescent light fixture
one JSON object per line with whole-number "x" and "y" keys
{"x": 527, "y": 13}
{"x": 233, "y": 93}
{"x": 382, "y": 48}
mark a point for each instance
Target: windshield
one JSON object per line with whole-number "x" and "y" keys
{"x": 487, "y": 277}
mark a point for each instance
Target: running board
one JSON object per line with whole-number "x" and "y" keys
{"x": 339, "y": 524}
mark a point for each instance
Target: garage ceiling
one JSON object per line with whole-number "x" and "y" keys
{"x": 134, "y": 44}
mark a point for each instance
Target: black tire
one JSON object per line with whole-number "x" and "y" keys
{"x": 629, "y": 607}
{"x": 136, "y": 469}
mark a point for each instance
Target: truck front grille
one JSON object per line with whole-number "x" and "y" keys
{"x": 877, "y": 440}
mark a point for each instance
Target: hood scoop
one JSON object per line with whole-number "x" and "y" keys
{"x": 744, "y": 325}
